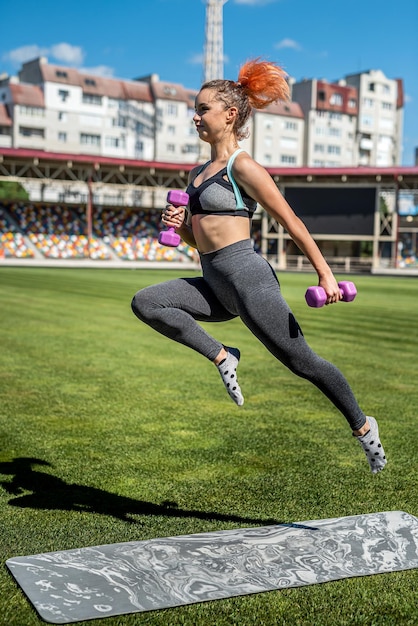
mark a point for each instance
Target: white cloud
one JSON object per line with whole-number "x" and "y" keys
{"x": 67, "y": 53}
{"x": 63, "y": 52}
{"x": 288, "y": 43}
{"x": 24, "y": 53}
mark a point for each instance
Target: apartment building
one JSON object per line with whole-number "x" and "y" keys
{"x": 60, "y": 109}
{"x": 380, "y": 118}
{"x": 330, "y": 112}
{"x": 277, "y": 135}
{"x": 175, "y": 137}
{"x": 355, "y": 121}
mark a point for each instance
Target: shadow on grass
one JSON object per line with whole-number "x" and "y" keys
{"x": 49, "y": 492}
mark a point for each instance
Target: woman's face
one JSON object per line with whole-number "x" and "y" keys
{"x": 212, "y": 116}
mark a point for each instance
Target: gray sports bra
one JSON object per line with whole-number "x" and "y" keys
{"x": 219, "y": 196}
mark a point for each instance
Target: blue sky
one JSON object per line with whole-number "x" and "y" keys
{"x": 129, "y": 39}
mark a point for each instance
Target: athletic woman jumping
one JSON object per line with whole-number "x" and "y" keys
{"x": 236, "y": 281}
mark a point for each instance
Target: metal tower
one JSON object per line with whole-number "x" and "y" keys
{"x": 213, "y": 64}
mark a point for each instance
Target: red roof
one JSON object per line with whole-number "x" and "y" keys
{"x": 5, "y": 120}
{"x": 30, "y": 95}
{"x": 27, "y": 153}
{"x": 317, "y": 172}
{"x": 287, "y": 109}
{"x": 90, "y": 83}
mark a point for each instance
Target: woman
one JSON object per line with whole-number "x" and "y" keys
{"x": 236, "y": 281}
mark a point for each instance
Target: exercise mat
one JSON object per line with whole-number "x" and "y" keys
{"x": 109, "y": 580}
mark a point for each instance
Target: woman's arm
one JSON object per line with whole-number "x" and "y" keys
{"x": 258, "y": 183}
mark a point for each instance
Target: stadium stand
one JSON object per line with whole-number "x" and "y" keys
{"x": 29, "y": 230}
{"x": 12, "y": 241}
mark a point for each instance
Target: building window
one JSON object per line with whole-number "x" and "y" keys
{"x": 190, "y": 148}
{"x": 62, "y": 116}
{"x": 89, "y": 140}
{"x": 352, "y": 103}
{"x": 31, "y": 132}
{"x": 32, "y": 111}
{"x": 115, "y": 142}
{"x": 90, "y": 81}
{"x": 371, "y": 87}
{"x": 290, "y": 125}
{"x": 319, "y": 147}
{"x": 334, "y": 150}
{"x": 120, "y": 122}
{"x": 61, "y": 74}
{"x": 172, "y": 109}
{"x": 321, "y": 96}
{"x": 171, "y": 148}
{"x": 62, "y": 137}
{"x": 387, "y": 106}
{"x": 288, "y": 159}
{"x": 367, "y": 120}
{"x": 171, "y": 130}
{"x": 334, "y": 132}
{"x": 89, "y": 98}
{"x": 336, "y": 99}
{"x": 63, "y": 94}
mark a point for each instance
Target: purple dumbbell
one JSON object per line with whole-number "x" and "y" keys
{"x": 170, "y": 237}
{"x": 316, "y": 296}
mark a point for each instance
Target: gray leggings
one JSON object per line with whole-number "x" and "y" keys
{"x": 237, "y": 282}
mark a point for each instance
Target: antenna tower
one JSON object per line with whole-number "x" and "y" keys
{"x": 214, "y": 48}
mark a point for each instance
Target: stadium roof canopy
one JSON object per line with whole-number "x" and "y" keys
{"x": 20, "y": 164}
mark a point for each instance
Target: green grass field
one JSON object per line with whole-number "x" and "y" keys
{"x": 110, "y": 433}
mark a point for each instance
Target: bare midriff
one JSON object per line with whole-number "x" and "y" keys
{"x": 213, "y": 232}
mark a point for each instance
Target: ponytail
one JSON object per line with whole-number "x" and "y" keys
{"x": 264, "y": 82}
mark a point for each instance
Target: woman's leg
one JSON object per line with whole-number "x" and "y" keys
{"x": 173, "y": 307}
{"x": 247, "y": 286}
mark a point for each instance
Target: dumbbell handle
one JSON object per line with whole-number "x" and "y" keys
{"x": 316, "y": 296}
{"x": 170, "y": 237}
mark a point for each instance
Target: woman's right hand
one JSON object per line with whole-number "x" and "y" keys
{"x": 172, "y": 216}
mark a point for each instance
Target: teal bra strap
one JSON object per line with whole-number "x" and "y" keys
{"x": 238, "y": 197}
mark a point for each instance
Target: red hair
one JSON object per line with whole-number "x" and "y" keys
{"x": 259, "y": 84}
{"x": 264, "y": 82}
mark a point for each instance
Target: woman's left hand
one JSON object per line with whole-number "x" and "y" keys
{"x": 331, "y": 288}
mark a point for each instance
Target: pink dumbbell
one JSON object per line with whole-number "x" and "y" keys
{"x": 316, "y": 296}
{"x": 170, "y": 237}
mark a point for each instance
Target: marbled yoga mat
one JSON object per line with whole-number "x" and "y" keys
{"x": 88, "y": 583}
